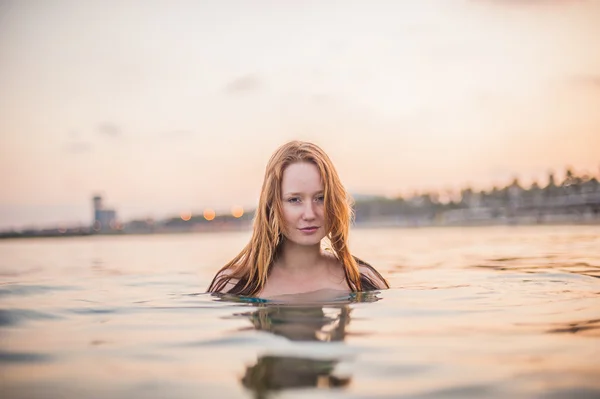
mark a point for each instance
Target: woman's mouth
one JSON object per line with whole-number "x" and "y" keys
{"x": 309, "y": 230}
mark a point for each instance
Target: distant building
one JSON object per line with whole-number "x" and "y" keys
{"x": 104, "y": 219}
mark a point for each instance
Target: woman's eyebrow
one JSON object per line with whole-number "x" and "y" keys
{"x": 298, "y": 193}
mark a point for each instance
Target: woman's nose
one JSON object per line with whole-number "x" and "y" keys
{"x": 309, "y": 212}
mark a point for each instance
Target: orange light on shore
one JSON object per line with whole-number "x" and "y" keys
{"x": 185, "y": 216}
{"x": 237, "y": 211}
{"x": 209, "y": 214}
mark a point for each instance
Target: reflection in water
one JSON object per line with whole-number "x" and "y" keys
{"x": 297, "y": 323}
{"x": 273, "y": 373}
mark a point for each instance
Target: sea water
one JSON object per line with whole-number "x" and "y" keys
{"x": 485, "y": 312}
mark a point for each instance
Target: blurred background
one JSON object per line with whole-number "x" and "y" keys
{"x": 151, "y": 116}
{"x": 120, "y": 118}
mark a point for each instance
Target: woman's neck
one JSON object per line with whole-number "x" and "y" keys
{"x": 295, "y": 258}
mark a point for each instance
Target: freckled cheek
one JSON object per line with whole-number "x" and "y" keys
{"x": 291, "y": 215}
{"x": 321, "y": 214}
{"x": 320, "y": 211}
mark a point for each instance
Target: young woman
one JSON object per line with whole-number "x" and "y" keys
{"x": 302, "y": 202}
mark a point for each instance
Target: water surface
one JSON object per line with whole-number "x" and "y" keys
{"x": 473, "y": 312}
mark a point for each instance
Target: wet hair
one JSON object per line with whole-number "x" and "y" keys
{"x": 250, "y": 268}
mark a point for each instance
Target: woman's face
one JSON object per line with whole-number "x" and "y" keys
{"x": 303, "y": 209}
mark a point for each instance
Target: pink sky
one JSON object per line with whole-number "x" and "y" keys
{"x": 172, "y": 106}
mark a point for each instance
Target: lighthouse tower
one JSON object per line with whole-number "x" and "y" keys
{"x": 104, "y": 219}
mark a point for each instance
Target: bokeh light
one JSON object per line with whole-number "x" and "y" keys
{"x": 186, "y": 215}
{"x": 209, "y": 214}
{"x": 237, "y": 211}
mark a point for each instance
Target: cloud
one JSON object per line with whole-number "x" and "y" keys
{"x": 78, "y": 147}
{"x": 587, "y": 82}
{"x": 592, "y": 81}
{"x": 244, "y": 84}
{"x": 109, "y": 129}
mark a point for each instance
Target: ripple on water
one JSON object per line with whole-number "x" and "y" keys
{"x": 23, "y": 357}
{"x": 13, "y": 317}
{"x": 537, "y": 265}
{"x": 589, "y": 328}
{"x": 15, "y": 289}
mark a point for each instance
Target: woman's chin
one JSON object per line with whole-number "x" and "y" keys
{"x": 307, "y": 240}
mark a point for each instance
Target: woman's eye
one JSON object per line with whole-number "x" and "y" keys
{"x": 320, "y": 198}
{"x": 293, "y": 200}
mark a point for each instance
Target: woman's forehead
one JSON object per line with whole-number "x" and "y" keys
{"x": 301, "y": 177}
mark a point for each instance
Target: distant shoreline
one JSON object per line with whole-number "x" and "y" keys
{"x": 358, "y": 226}
{"x": 575, "y": 201}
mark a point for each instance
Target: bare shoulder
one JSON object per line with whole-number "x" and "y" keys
{"x": 335, "y": 266}
{"x": 372, "y": 275}
{"x": 223, "y": 282}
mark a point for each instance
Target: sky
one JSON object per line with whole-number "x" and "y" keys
{"x": 171, "y": 106}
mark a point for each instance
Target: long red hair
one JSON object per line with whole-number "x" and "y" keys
{"x": 250, "y": 268}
